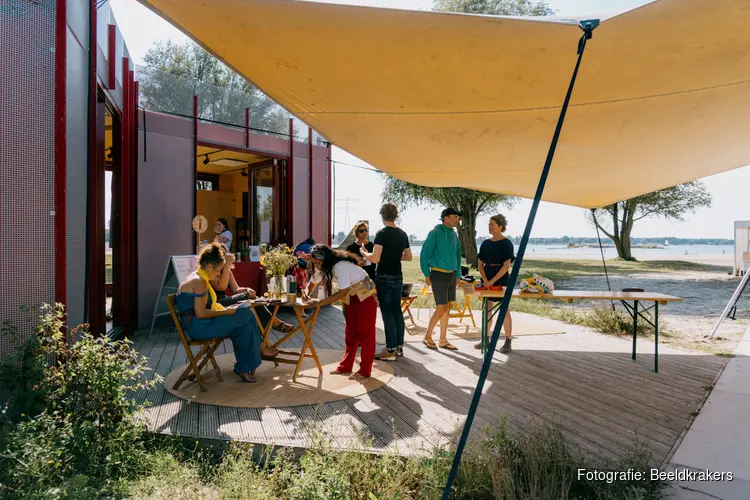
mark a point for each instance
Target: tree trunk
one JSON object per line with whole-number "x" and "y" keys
{"x": 626, "y": 229}
{"x": 467, "y": 236}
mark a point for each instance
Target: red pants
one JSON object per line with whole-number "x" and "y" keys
{"x": 360, "y": 330}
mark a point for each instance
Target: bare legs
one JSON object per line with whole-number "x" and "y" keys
{"x": 441, "y": 314}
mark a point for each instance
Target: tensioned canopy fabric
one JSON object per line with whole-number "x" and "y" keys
{"x": 663, "y": 95}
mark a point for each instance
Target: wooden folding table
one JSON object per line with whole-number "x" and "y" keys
{"x": 304, "y": 326}
{"x": 488, "y": 312}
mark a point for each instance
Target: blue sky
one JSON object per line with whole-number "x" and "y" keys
{"x": 141, "y": 28}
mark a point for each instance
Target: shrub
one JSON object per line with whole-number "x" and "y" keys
{"x": 87, "y": 427}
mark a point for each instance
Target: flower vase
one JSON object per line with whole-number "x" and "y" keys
{"x": 278, "y": 287}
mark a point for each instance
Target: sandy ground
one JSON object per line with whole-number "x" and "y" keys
{"x": 711, "y": 259}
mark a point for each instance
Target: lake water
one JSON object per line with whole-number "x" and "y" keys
{"x": 672, "y": 252}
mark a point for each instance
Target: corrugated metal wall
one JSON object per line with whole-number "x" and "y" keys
{"x": 166, "y": 185}
{"x": 27, "y": 57}
{"x": 77, "y": 159}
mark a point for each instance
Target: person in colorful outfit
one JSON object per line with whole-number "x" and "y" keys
{"x": 357, "y": 291}
{"x": 495, "y": 257}
{"x": 203, "y": 317}
{"x": 440, "y": 260}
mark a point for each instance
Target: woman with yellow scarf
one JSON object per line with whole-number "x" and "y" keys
{"x": 204, "y": 318}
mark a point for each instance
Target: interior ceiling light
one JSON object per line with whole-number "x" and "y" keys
{"x": 206, "y": 160}
{"x": 229, "y": 162}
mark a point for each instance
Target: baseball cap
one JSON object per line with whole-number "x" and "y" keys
{"x": 449, "y": 211}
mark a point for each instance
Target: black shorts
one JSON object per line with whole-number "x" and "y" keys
{"x": 443, "y": 287}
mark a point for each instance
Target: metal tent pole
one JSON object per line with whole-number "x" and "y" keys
{"x": 588, "y": 27}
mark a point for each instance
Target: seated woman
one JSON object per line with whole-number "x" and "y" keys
{"x": 226, "y": 280}
{"x": 358, "y": 293}
{"x": 203, "y": 318}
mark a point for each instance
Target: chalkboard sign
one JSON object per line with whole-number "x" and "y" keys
{"x": 179, "y": 268}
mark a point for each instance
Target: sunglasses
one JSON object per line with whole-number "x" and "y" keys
{"x": 363, "y": 231}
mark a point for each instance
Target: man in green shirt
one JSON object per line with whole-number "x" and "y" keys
{"x": 440, "y": 260}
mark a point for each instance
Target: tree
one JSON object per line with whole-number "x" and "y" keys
{"x": 616, "y": 221}
{"x": 467, "y": 201}
{"x": 174, "y": 73}
{"x": 495, "y": 7}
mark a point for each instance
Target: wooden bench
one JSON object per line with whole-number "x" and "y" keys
{"x": 569, "y": 296}
{"x": 205, "y": 354}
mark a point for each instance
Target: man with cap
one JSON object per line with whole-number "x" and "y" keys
{"x": 440, "y": 260}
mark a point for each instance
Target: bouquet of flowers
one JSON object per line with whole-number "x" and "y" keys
{"x": 277, "y": 261}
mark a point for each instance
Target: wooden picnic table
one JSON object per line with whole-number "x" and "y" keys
{"x": 625, "y": 298}
{"x": 304, "y": 326}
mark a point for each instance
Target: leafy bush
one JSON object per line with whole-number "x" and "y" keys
{"x": 86, "y": 435}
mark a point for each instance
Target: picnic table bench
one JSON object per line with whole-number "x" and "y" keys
{"x": 624, "y": 297}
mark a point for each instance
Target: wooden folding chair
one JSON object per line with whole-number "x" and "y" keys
{"x": 406, "y": 303}
{"x": 198, "y": 361}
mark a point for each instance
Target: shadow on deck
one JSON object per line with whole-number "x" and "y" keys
{"x": 583, "y": 382}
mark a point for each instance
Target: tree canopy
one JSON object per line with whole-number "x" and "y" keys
{"x": 495, "y": 7}
{"x": 616, "y": 221}
{"x": 174, "y": 73}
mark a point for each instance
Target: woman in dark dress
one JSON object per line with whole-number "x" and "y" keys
{"x": 362, "y": 233}
{"x": 495, "y": 257}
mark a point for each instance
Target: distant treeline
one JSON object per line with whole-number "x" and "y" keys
{"x": 570, "y": 240}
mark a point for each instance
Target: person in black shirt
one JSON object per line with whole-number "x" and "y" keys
{"x": 391, "y": 247}
{"x": 362, "y": 233}
{"x": 495, "y": 257}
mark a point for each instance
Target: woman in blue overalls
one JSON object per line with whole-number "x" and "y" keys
{"x": 204, "y": 318}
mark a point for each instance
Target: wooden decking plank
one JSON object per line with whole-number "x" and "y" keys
{"x": 628, "y": 397}
{"x": 382, "y": 434}
{"x": 208, "y": 421}
{"x": 606, "y": 432}
{"x": 348, "y": 423}
{"x": 252, "y": 425}
{"x": 229, "y": 426}
{"x": 418, "y": 419}
{"x": 186, "y": 421}
{"x": 646, "y": 389}
{"x": 616, "y": 413}
{"x": 163, "y": 411}
{"x": 406, "y": 427}
{"x": 274, "y": 427}
{"x": 323, "y": 417}
{"x": 584, "y": 384}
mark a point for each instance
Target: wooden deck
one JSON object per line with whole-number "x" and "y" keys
{"x": 582, "y": 381}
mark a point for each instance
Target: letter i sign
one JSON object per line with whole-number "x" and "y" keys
{"x": 200, "y": 224}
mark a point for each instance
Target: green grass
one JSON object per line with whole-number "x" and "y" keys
{"x": 532, "y": 462}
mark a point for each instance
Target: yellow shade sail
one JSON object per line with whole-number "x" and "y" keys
{"x": 663, "y": 95}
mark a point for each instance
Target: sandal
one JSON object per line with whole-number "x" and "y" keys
{"x": 284, "y": 327}
{"x": 269, "y": 353}
{"x": 429, "y": 343}
{"x": 449, "y": 346}
{"x": 246, "y": 377}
